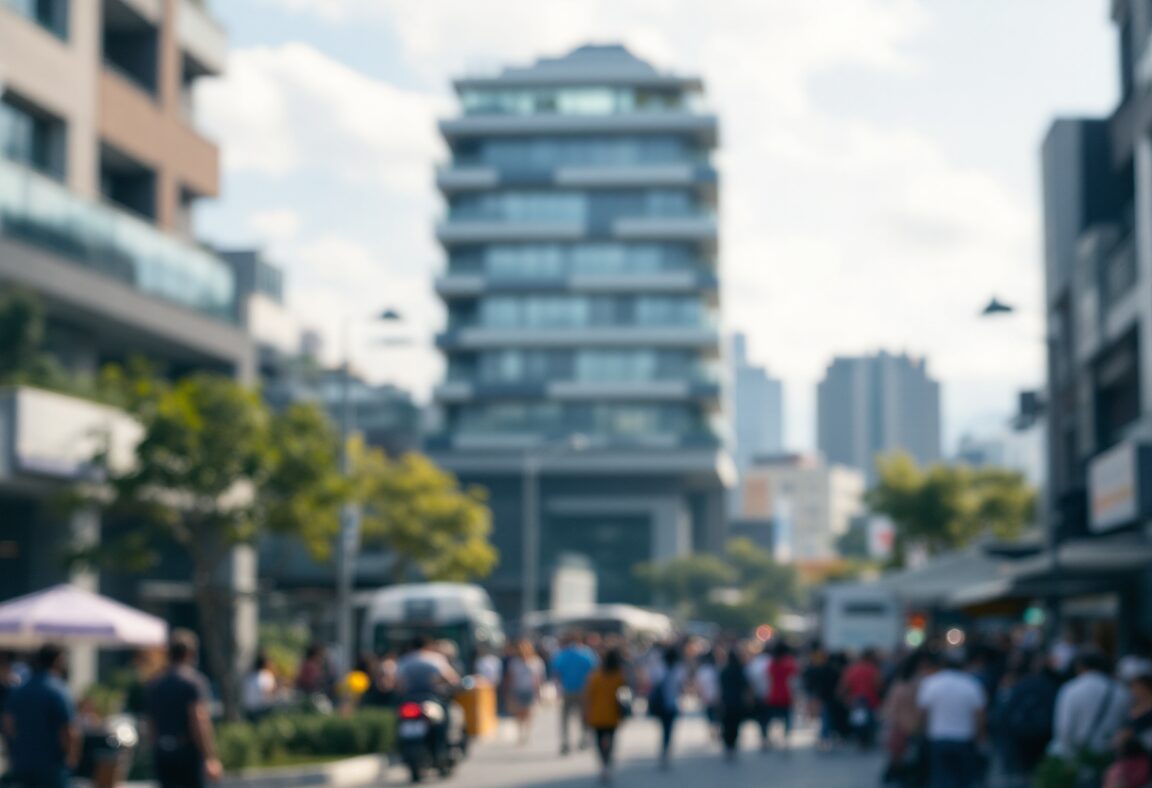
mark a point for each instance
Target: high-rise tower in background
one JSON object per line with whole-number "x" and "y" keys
{"x": 757, "y": 414}
{"x": 869, "y": 406}
{"x": 582, "y": 298}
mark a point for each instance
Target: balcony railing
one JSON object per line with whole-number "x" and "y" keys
{"x": 43, "y": 213}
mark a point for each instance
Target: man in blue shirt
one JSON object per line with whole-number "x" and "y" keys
{"x": 571, "y": 666}
{"x": 40, "y": 724}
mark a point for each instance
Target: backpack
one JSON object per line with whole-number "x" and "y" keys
{"x": 1029, "y": 714}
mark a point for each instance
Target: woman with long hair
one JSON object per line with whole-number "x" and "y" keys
{"x": 604, "y": 707}
{"x": 664, "y": 699}
{"x": 525, "y": 677}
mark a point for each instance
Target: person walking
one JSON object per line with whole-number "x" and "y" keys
{"x": 906, "y": 764}
{"x": 707, "y": 686}
{"x": 664, "y": 700}
{"x": 1090, "y": 709}
{"x": 183, "y": 743}
{"x": 860, "y": 691}
{"x": 603, "y": 710}
{"x": 259, "y": 690}
{"x": 952, "y": 706}
{"x": 782, "y": 672}
{"x": 1025, "y": 718}
{"x": 756, "y": 670}
{"x": 1133, "y": 765}
{"x": 526, "y": 674}
{"x": 735, "y": 700}
{"x": 40, "y": 724}
{"x": 571, "y": 667}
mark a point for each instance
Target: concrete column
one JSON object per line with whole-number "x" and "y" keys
{"x": 1144, "y": 266}
{"x": 671, "y": 529}
{"x": 242, "y": 581}
{"x": 84, "y": 532}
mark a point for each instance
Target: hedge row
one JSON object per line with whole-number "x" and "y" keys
{"x": 243, "y": 745}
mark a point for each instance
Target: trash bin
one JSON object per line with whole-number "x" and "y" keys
{"x": 478, "y": 699}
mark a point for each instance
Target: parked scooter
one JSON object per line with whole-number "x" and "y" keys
{"x": 430, "y": 735}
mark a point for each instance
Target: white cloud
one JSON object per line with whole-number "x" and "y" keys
{"x": 290, "y": 110}
{"x": 275, "y": 226}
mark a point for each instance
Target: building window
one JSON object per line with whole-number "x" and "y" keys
{"x": 52, "y": 15}
{"x": 32, "y": 136}
{"x": 127, "y": 182}
{"x": 131, "y": 45}
{"x": 1117, "y": 383}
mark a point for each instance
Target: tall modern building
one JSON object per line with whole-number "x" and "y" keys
{"x": 1098, "y": 273}
{"x": 100, "y": 167}
{"x": 869, "y": 406}
{"x": 583, "y": 300}
{"x": 757, "y": 414}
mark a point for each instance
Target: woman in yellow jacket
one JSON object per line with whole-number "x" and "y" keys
{"x": 602, "y": 710}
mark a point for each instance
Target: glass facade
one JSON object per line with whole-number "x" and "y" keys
{"x": 52, "y": 15}
{"x": 31, "y": 137}
{"x": 575, "y": 100}
{"x": 525, "y": 191}
{"x": 573, "y": 206}
{"x": 528, "y": 261}
{"x": 543, "y": 153}
{"x": 584, "y": 365}
{"x": 38, "y": 211}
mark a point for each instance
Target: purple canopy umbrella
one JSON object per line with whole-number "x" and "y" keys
{"x": 72, "y": 616}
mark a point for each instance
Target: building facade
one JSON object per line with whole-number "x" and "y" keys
{"x": 810, "y": 503}
{"x": 757, "y": 414}
{"x": 869, "y": 406}
{"x": 100, "y": 166}
{"x": 1098, "y": 287}
{"x": 582, "y": 297}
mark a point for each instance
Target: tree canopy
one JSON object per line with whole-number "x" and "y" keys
{"x": 946, "y": 507}
{"x": 738, "y": 589}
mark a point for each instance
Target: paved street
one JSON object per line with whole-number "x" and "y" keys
{"x": 500, "y": 763}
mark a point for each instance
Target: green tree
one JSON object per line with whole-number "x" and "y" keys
{"x": 946, "y": 507}
{"x": 738, "y": 590}
{"x": 215, "y": 469}
{"x": 22, "y": 334}
{"x": 430, "y": 527}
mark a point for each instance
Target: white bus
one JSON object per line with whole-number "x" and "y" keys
{"x": 857, "y": 616}
{"x": 635, "y": 624}
{"x": 457, "y": 612}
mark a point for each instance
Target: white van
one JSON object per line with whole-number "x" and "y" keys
{"x": 459, "y": 612}
{"x": 857, "y": 616}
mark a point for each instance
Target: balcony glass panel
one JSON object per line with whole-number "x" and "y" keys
{"x": 536, "y": 261}
{"x": 600, "y": 418}
{"x": 520, "y": 206}
{"x": 590, "y": 365}
{"x": 52, "y": 15}
{"x": 533, "y": 154}
{"x": 38, "y": 211}
{"x": 571, "y": 311}
{"x": 576, "y": 100}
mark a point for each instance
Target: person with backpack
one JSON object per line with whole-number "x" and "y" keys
{"x": 664, "y": 699}
{"x": 1090, "y": 710}
{"x": 1025, "y": 718}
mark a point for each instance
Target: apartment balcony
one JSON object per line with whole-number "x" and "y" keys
{"x": 474, "y": 285}
{"x": 701, "y": 127}
{"x": 479, "y": 338}
{"x": 202, "y": 37}
{"x": 697, "y": 227}
{"x": 477, "y": 231}
{"x": 49, "y": 436}
{"x": 40, "y": 212}
{"x": 461, "y": 178}
{"x": 457, "y": 392}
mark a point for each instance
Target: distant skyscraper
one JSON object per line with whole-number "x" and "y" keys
{"x": 757, "y": 413}
{"x": 582, "y": 298}
{"x": 869, "y": 406}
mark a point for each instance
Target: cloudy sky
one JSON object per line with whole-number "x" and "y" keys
{"x": 879, "y": 163}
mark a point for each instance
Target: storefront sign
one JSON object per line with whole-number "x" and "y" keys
{"x": 1119, "y": 487}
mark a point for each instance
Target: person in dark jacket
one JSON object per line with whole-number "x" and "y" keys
{"x": 735, "y": 700}
{"x": 1025, "y": 717}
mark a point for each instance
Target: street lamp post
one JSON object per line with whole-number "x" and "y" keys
{"x": 530, "y": 516}
{"x": 1054, "y": 514}
{"x": 348, "y": 545}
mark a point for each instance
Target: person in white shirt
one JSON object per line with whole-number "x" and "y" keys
{"x": 756, "y": 670}
{"x": 259, "y": 690}
{"x": 952, "y": 705}
{"x": 490, "y": 666}
{"x": 1089, "y": 709}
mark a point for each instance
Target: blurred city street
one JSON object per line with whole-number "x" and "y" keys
{"x": 501, "y": 763}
